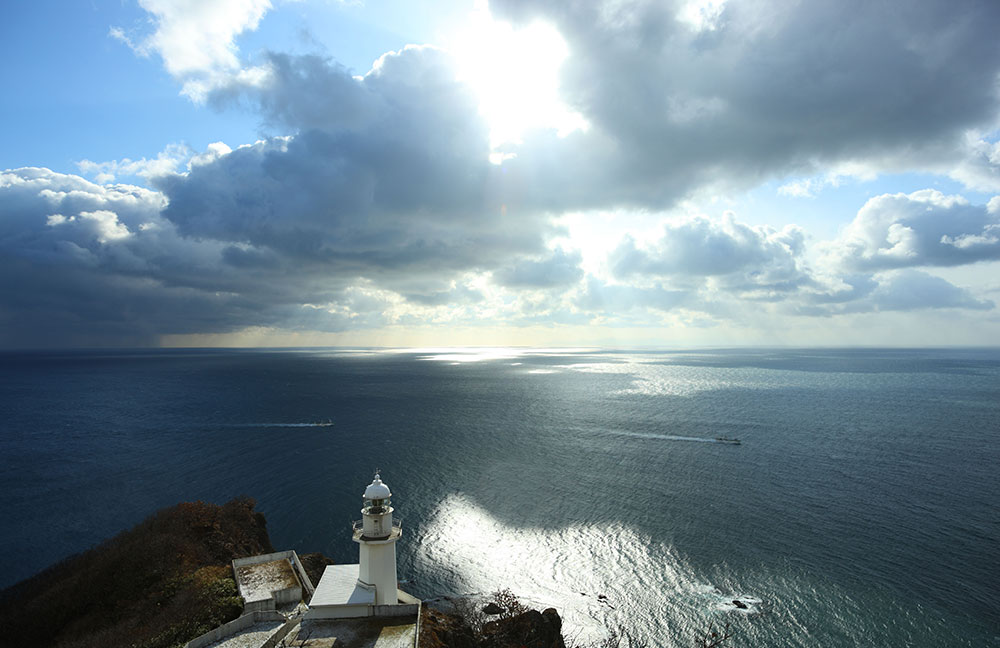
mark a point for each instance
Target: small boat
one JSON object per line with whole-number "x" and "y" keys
{"x": 728, "y": 440}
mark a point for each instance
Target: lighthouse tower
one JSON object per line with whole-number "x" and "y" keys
{"x": 377, "y": 535}
{"x": 369, "y": 588}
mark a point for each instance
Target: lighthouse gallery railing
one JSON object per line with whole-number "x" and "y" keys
{"x": 358, "y": 526}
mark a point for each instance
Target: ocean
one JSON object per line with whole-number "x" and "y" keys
{"x": 861, "y": 507}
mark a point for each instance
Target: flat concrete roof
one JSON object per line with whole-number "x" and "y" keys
{"x": 258, "y": 581}
{"x": 370, "y": 632}
{"x": 339, "y": 586}
{"x": 255, "y": 635}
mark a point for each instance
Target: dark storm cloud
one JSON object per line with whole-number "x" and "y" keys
{"x": 340, "y": 100}
{"x": 772, "y": 88}
{"x": 379, "y": 195}
{"x": 389, "y": 176}
{"x": 83, "y": 264}
{"x": 320, "y": 200}
{"x": 399, "y": 196}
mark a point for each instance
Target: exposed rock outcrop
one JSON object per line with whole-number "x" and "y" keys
{"x": 528, "y": 629}
{"x": 531, "y": 629}
{"x": 444, "y": 630}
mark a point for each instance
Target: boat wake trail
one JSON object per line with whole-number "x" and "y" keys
{"x": 280, "y": 425}
{"x": 665, "y": 437}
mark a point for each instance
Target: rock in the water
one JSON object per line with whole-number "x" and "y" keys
{"x": 553, "y": 619}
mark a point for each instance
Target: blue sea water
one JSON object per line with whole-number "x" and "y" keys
{"x": 860, "y": 509}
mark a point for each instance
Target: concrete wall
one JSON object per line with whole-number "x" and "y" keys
{"x": 339, "y": 612}
{"x": 416, "y": 635}
{"x": 394, "y": 610}
{"x": 282, "y": 632}
{"x": 289, "y": 595}
{"x": 263, "y": 605}
{"x": 234, "y": 626}
{"x": 262, "y": 558}
{"x": 303, "y": 576}
{"x": 291, "y": 556}
{"x": 279, "y": 597}
{"x": 408, "y": 599}
{"x": 408, "y": 604}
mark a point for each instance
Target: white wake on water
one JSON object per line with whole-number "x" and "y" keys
{"x": 280, "y": 425}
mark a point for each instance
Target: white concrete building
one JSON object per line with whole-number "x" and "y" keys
{"x": 368, "y": 588}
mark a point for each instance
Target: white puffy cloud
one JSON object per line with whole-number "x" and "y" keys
{"x": 167, "y": 161}
{"x": 197, "y": 38}
{"x": 979, "y": 169}
{"x": 924, "y": 228}
{"x": 739, "y": 258}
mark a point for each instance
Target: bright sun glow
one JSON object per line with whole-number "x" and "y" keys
{"x": 515, "y": 73}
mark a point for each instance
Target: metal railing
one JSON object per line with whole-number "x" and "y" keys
{"x": 358, "y": 527}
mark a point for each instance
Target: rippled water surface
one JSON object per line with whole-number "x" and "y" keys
{"x": 859, "y": 509}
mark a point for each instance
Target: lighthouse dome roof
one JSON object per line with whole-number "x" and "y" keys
{"x": 376, "y": 489}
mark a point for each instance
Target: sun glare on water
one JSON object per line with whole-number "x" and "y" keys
{"x": 515, "y": 73}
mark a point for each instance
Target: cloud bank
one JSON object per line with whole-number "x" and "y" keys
{"x": 373, "y": 201}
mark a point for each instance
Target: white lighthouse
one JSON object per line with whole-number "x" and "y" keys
{"x": 376, "y": 535}
{"x": 368, "y": 588}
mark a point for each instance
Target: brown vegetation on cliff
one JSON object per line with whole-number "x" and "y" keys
{"x": 157, "y": 585}
{"x": 504, "y": 622}
{"x": 314, "y": 564}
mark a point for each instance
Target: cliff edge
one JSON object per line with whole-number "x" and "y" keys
{"x": 157, "y": 585}
{"x": 169, "y": 580}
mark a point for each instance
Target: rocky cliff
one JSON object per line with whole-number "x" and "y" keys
{"x": 170, "y": 579}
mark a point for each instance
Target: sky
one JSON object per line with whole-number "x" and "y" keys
{"x": 545, "y": 173}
